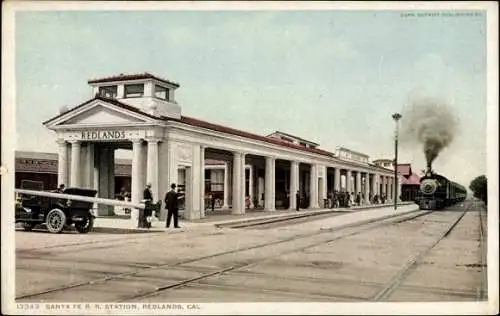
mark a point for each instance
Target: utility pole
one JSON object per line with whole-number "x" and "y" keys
{"x": 396, "y": 117}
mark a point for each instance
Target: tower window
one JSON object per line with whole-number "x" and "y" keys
{"x": 134, "y": 90}
{"x": 161, "y": 92}
{"x": 108, "y": 91}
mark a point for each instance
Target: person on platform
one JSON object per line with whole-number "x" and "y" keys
{"x": 147, "y": 195}
{"x": 148, "y": 199}
{"x": 172, "y": 206}
{"x": 61, "y": 188}
{"x": 121, "y": 195}
{"x": 297, "y": 200}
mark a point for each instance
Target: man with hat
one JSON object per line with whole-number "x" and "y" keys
{"x": 172, "y": 206}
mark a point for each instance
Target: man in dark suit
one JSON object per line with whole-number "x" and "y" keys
{"x": 147, "y": 195}
{"x": 172, "y": 206}
{"x": 148, "y": 200}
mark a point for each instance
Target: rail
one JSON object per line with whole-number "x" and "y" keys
{"x": 81, "y": 198}
{"x": 483, "y": 290}
{"x": 401, "y": 275}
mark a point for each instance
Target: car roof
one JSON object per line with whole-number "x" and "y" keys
{"x": 80, "y": 191}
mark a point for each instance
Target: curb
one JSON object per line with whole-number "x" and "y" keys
{"x": 304, "y": 213}
{"x": 222, "y": 224}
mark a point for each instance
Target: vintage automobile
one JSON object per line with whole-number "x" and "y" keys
{"x": 56, "y": 213}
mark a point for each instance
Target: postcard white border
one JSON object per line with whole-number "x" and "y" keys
{"x": 9, "y": 144}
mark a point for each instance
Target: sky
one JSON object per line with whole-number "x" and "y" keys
{"x": 332, "y": 77}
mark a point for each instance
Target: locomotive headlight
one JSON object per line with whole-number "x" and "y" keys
{"x": 428, "y": 186}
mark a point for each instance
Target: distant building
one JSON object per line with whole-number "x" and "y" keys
{"x": 348, "y": 154}
{"x": 386, "y": 163}
{"x": 407, "y": 175}
{"x": 293, "y": 139}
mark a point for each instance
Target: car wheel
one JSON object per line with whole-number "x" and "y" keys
{"x": 28, "y": 226}
{"x": 56, "y": 219}
{"x": 85, "y": 226}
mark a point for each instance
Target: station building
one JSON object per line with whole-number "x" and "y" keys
{"x": 139, "y": 113}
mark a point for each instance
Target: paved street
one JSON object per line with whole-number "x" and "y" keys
{"x": 357, "y": 256}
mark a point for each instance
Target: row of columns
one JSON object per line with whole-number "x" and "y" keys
{"x": 236, "y": 172}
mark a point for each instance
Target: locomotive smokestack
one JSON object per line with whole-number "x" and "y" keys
{"x": 428, "y": 170}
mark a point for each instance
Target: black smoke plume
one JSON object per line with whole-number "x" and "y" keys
{"x": 431, "y": 123}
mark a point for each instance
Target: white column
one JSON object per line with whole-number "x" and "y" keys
{"x": 152, "y": 168}
{"x": 237, "y": 182}
{"x": 348, "y": 181}
{"x": 260, "y": 191}
{"x": 202, "y": 181}
{"x": 173, "y": 170}
{"x": 324, "y": 190}
{"x": 136, "y": 169}
{"x": 269, "y": 184}
{"x": 111, "y": 177}
{"x": 230, "y": 183}
{"x": 313, "y": 185}
{"x": 226, "y": 186}
{"x": 250, "y": 186}
{"x": 243, "y": 184}
{"x": 62, "y": 164}
{"x": 358, "y": 183}
{"x": 90, "y": 165}
{"x": 367, "y": 188}
{"x": 336, "y": 180}
{"x": 75, "y": 163}
{"x": 193, "y": 181}
{"x": 294, "y": 184}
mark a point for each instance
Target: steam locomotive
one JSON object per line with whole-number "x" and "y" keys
{"x": 437, "y": 192}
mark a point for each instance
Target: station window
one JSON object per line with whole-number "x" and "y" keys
{"x": 161, "y": 92}
{"x": 134, "y": 90}
{"x": 108, "y": 91}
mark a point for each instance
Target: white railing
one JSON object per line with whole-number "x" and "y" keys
{"x": 81, "y": 198}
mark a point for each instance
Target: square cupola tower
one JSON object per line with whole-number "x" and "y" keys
{"x": 148, "y": 93}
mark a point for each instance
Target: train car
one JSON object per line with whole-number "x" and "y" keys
{"x": 437, "y": 192}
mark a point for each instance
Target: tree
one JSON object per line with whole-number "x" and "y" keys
{"x": 479, "y": 187}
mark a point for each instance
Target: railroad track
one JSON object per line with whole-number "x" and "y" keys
{"x": 410, "y": 265}
{"x": 356, "y": 228}
{"x": 483, "y": 290}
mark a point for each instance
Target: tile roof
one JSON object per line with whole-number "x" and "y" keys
{"x": 219, "y": 128}
{"x": 123, "y": 77}
{"x": 404, "y": 169}
{"x": 412, "y": 179}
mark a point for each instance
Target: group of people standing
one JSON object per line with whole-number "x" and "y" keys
{"x": 344, "y": 199}
{"x": 171, "y": 200}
